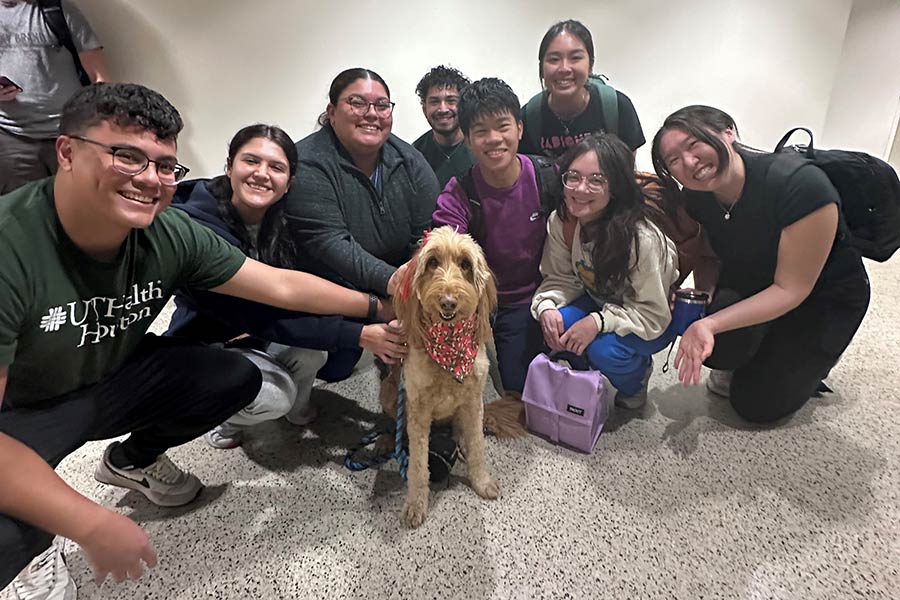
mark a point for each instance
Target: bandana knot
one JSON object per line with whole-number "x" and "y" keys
{"x": 452, "y": 346}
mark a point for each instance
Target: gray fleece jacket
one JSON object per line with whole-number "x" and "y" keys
{"x": 347, "y": 231}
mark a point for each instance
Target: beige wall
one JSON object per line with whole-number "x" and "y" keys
{"x": 770, "y": 63}
{"x": 866, "y": 95}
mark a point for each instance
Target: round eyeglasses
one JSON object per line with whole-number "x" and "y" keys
{"x": 595, "y": 181}
{"x": 360, "y": 106}
{"x": 128, "y": 160}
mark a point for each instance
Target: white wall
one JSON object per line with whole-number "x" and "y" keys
{"x": 225, "y": 64}
{"x": 867, "y": 87}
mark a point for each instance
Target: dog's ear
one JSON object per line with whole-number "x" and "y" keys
{"x": 406, "y": 302}
{"x": 487, "y": 306}
{"x": 487, "y": 292}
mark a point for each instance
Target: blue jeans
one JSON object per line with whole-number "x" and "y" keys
{"x": 623, "y": 360}
{"x": 518, "y": 339}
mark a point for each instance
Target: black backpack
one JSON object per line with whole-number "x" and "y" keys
{"x": 549, "y": 186}
{"x": 56, "y": 21}
{"x": 868, "y": 187}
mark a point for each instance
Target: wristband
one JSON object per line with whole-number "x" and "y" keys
{"x": 373, "y": 307}
{"x": 599, "y": 321}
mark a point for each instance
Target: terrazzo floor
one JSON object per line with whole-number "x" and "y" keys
{"x": 679, "y": 500}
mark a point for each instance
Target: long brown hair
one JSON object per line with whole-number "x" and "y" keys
{"x": 614, "y": 233}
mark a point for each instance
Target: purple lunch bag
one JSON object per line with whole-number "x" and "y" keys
{"x": 565, "y": 405}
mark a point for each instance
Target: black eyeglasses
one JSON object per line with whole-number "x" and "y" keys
{"x": 595, "y": 181}
{"x": 360, "y": 106}
{"x": 131, "y": 161}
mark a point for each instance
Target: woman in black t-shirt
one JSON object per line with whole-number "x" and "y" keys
{"x": 570, "y": 107}
{"x": 790, "y": 294}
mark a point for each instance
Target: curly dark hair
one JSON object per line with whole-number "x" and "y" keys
{"x": 615, "y": 232}
{"x": 441, "y": 76}
{"x": 486, "y": 97}
{"x": 276, "y": 245}
{"x": 125, "y": 104}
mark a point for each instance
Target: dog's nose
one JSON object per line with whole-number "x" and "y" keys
{"x": 448, "y": 303}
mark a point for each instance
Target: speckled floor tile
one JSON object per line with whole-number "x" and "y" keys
{"x": 678, "y": 500}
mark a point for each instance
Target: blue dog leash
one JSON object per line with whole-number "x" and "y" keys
{"x": 401, "y": 455}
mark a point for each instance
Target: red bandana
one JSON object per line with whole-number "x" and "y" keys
{"x": 453, "y": 346}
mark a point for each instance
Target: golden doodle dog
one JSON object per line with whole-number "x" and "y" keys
{"x": 445, "y": 305}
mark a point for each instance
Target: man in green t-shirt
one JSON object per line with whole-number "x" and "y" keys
{"x": 88, "y": 258}
{"x": 443, "y": 146}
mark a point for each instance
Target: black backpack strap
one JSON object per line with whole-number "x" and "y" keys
{"x": 810, "y": 151}
{"x": 476, "y": 223}
{"x": 548, "y": 182}
{"x": 533, "y": 120}
{"x": 56, "y": 21}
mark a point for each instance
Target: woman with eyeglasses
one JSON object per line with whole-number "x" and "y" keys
{"x": 607, "y": 269}
{"x": 244, "y": 206}
{"x": 574, "y": 103}
{"x": 364, "y": 196}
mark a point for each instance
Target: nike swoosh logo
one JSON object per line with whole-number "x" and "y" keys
{"x": 535, "y": 216}
{"x": 142, "y": 481}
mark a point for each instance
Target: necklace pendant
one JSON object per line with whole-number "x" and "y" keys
{"x": 727, "y": 216}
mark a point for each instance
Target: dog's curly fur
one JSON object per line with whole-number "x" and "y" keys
{"x": 448, "y": 266}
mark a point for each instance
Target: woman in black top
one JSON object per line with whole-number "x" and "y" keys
{"x": 571, "y": 107}
{"x": 791, "y": 293}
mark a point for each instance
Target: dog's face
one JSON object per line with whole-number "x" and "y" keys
{"x": 450, "y": 282}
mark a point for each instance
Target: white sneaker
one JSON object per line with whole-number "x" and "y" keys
{"x": 163, "y": 483}
{"x": 224, "y": 437}
{"x": 719, "y": 382}
{"x": 46, "y": 577}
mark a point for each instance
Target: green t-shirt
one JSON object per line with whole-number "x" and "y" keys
{"x": 66, "y": 320}
{"x": 446, "y": 161}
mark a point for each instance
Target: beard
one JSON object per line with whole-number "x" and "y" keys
{"x": 444, "y": 127}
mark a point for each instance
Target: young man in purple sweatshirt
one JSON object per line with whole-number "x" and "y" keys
{"x": 511, "y": 226}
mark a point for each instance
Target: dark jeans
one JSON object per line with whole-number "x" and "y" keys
{"x": 169, "y": 393}
{"x": 24, "y": 159}
{"x": 518, "y": 339}
{"x": 340, "y": 364}
{"x": 778, "y": 365}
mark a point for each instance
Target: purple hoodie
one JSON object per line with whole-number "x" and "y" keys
{"x": 514, "y": 228}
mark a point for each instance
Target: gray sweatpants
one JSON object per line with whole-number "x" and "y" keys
{"x": 288, "y": 375}
{"x": 24, "y": 159}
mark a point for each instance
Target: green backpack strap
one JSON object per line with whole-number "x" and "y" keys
{"x": 533, "y": 119}
{"x": 609, "y": 102}
{"x": 609, "y": 105}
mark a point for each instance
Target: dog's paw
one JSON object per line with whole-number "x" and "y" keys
{"x": 414, "y": 512}
{"x": 487, "y": 487}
